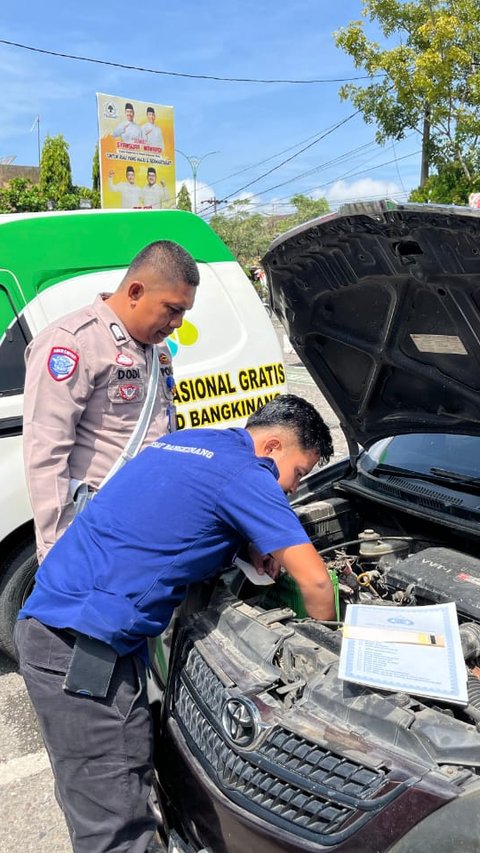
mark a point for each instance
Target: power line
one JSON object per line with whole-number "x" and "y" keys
{"x": 396, "y": 165}
{"x": 214, "y": 202}
{"x": 334, "y": 180}
{"x": 349, "y": 174}
{"x": 345, "y": 156}
{"x": 182, "y": 73}
{"x": 328, "y": 163}
{"x": 267, "y": 159}
{"x": 350, "y": 171}
{"x": 351, "y": 153}
{"x": 333, "y": 200}
{"x": 324, "y": 134}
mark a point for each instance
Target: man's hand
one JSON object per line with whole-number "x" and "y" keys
{"x": 310, "y": 573}
{"x": 265, "y": 564}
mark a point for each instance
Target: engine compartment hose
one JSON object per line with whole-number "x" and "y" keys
{"x": 470, "y": 639}
{"x": 473, "y": 690}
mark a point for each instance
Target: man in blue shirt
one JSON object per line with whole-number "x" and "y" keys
{"x": 176, "y": 514}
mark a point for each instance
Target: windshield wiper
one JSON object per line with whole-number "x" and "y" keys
{"x": 440, "y": 476}
{"x": 455, "y": 477}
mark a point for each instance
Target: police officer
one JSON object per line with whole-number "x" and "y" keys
{"x": 174, "y": 515}
{"x": 86, "y": 381}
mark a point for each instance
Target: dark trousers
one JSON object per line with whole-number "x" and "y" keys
{"x": 100, "y": 749}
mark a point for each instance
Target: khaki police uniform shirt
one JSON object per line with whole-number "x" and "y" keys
{"x": 85, "y": 386}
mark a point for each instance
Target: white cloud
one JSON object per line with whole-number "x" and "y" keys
{"x": 364, "y": 189}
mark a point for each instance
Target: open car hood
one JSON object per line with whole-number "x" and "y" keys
{"x": 381, "y": 301}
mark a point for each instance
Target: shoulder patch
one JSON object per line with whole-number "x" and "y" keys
{"x": 62, "y": 363}
{"x": 124, "y": 359}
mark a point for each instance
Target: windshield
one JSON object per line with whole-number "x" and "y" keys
{"x": 423, "y": 451}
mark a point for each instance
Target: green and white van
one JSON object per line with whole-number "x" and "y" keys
{"x": 228, "y": 361}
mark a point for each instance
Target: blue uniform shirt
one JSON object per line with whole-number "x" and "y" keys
{"x": 175, "y": 514}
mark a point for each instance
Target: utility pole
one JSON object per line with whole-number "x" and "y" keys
{"x": 37, "y": 124}
{"x": 38, "y": 140}
{"x": 215, "y": 202}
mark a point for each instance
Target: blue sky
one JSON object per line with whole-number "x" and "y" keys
{"x": 244, "y": 123}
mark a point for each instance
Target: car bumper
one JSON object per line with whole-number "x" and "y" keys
{"x": 206, "y": 818}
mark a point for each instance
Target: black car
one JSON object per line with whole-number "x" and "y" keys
{"x": 262, "y": 747}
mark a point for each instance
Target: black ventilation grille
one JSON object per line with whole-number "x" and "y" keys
{"x": 397, "y": 487}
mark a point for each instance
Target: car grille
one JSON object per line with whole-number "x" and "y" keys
{"x": 287, "y": 779}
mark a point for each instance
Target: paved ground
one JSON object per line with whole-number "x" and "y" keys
{"x": 30, "y": 820}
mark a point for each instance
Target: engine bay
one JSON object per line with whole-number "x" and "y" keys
{"x": 398, "y": 562}
{"x": 260, "y": 641}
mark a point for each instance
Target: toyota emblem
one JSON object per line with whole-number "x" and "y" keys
{"x": 241, "y": 721}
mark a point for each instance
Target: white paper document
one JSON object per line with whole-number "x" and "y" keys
{"x": 410, "y": 649}
{"x": 251, "y": 573}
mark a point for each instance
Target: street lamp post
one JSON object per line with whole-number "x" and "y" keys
{"x": 194, "y": 164}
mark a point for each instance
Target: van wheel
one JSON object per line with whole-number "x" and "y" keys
{"x": 16, "y": 583}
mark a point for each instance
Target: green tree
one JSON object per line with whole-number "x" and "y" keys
{"x": 54, "y": 190}
{"x": 246, "y": 234}
{"x": 20, "y": 196}
{"x": 249, "y": 235}
{"x": 184, "y": 202}
{"x": 55, "y": 169}
{"x": 428, "y": 80}
{"x": 306, "y": 208}
{"x": 96, "y": 170}
{"x": 447, "y": 186}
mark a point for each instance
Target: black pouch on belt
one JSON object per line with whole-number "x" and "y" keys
{"x": 91, "y": 667}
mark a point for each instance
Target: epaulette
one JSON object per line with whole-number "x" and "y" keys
{"x": 72, "y": 323}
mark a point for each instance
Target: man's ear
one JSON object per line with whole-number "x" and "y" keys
{"x": 135, "y": 290}
{"x": 272, "y": 443}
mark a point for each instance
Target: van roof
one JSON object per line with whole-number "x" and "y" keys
{"x": 40, "y": 249}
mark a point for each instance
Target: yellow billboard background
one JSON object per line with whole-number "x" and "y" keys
{"x": 124, "y": 144}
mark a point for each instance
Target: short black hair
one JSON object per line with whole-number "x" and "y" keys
{"x": 298, "y": 415}
{"x": 171, "y": 259}
{"x": 150, "y": 110}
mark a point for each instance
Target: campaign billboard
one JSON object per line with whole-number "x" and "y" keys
{"x": 136, "y": 152}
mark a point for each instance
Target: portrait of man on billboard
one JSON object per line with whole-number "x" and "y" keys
{"x": 128, "y": 130}
{"x": 130, "y": 194}
{"x": 155, "y": 195}
{"x": 151, "y": 133}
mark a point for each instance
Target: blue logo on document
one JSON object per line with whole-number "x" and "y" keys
{"x": 400, "y": 620}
